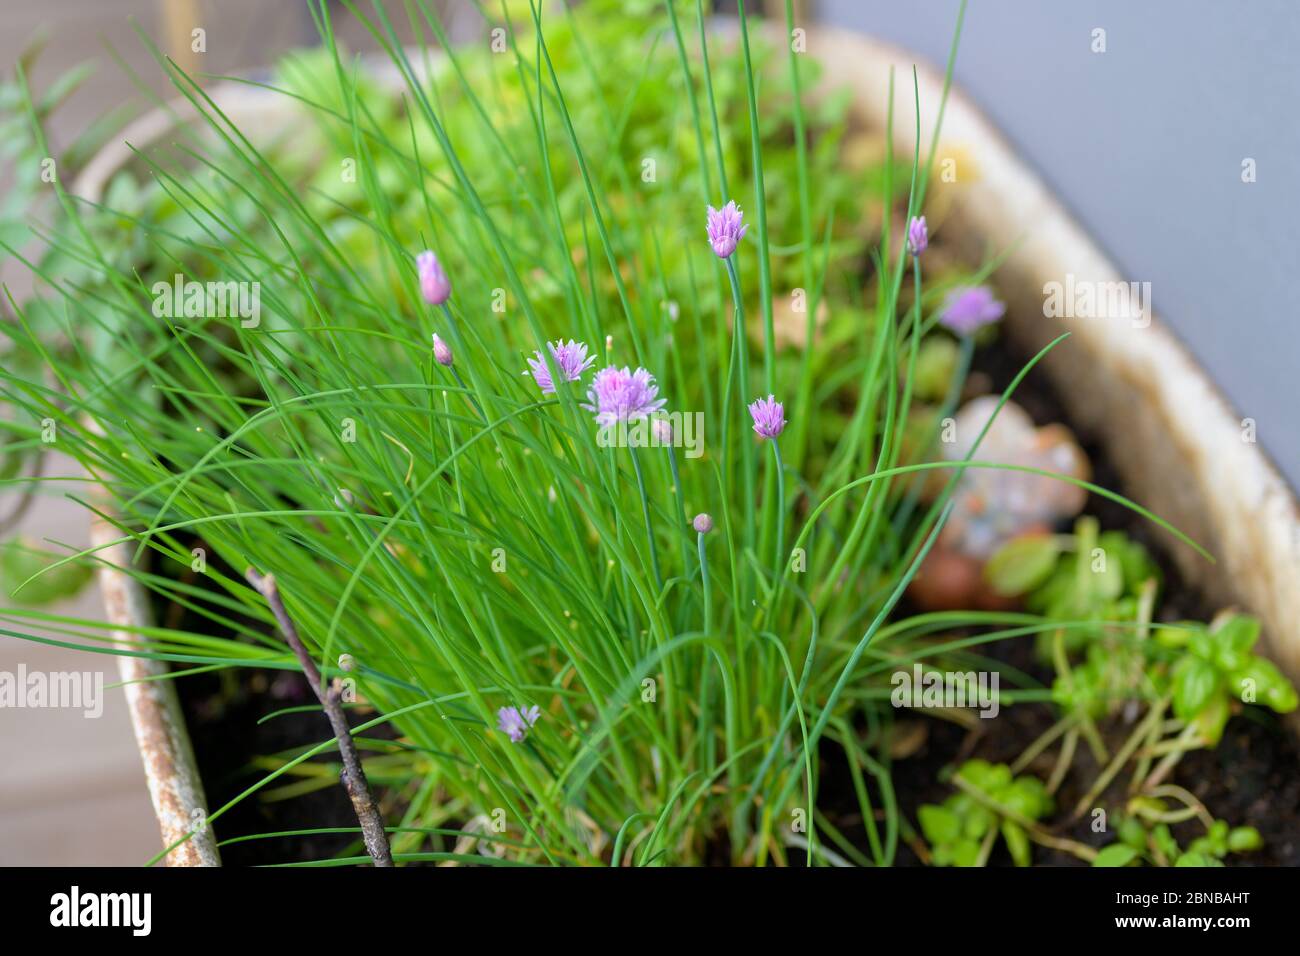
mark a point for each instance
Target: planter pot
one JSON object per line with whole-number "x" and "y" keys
{"x": 169, "y": 767}
{"x": 1176, "y": 443}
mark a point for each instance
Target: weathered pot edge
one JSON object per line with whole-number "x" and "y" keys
{"x": 171, "y": 770}
{"x": 1157, "y": 412}
{"x": 169, "y": 766}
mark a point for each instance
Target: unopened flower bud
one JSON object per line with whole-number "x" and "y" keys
{"x": 441, "y": 351}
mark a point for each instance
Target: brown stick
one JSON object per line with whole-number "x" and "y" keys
{"x": 353, "y": 776}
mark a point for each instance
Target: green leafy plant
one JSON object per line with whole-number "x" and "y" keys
{"x": 1169, "y": 688}
{"x": 22, "y": 560}
{"x": 1145, "y": 836}
{"x": 992, "y": 803}
{"x": 1217, "y": 671}
{"x": 527, "y": 607}
{"x": 577, "y": 670}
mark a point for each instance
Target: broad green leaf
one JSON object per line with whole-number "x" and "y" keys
{"x": 20, "y": 559}
{"x": 965, "y": 853}
{"x": 1260, "y": 682}
{"x": 1022, "y": 564}
{"x": 1212, "y": 719}
{"x": 1195, "y": 682}
{"x": 1244, "y": 839}
{"x": 1233, "y": 642}
{"x": 939, "y": 824}
{"x": 1017, "y": 843}
{"x": 1117, "y": 854}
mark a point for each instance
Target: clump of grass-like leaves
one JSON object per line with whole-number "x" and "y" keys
{"x": 577, "y": 674}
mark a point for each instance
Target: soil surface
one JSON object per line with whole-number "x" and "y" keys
{"x": 222, "y": 715}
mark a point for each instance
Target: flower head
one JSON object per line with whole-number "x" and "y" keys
{"x": 726, "y": 228}
{"x": 769, "y": 417}
{"x": 968, "y": 309}
{"x": 621, "y": 395}
{"x": 918, "y": 236}
{"x": 435, "y": 287}
{"x": 514, "y": 723}
{"x": 441, "y": 350}
{"x": 570, "y": 359}
{"x": 703, "y": 523}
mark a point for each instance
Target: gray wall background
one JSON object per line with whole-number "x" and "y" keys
{"x": 1144, "y": 143}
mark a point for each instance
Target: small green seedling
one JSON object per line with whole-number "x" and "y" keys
{"x": 1218, "y": 671}
{"x": 963, "y": 830}
{"x": 1145, "y": 838}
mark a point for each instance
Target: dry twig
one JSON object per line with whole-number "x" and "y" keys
{"x": 353, "y": 776}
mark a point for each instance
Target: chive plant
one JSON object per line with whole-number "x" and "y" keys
{"x": 495, "y": 293}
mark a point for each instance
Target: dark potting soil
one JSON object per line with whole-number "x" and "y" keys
{"x": 224, "y": 714}
{"x": 1251, "y": 778}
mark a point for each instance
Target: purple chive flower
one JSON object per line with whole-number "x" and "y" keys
{"x": 769, "y": 417}
{"x": 968, "y": 309}
{"x": 918, "y": 236}
{"x": 434, "y": 284}
{"x": 726, "y": 228}
{"x": 441, "y": 350}
{"x": 703, "y": 523}
{"x": 570, "y": 358}
{"x": 621, "y": 395}
{"x": 514, "y": 723}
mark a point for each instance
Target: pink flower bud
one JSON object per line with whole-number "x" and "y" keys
{"x": 441, "y": 350}
{"x": 435, "y": 287}
{"x": 726, "y": 227}
{"x": 918, "y": 236}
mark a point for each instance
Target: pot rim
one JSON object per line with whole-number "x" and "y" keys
{"x": 1175, "y": 440}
